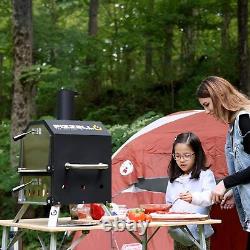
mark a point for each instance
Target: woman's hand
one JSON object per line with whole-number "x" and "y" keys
{"x": 186, "y": 197}
{"x": 228, "y": 200}
{"x": 218, "y": 193}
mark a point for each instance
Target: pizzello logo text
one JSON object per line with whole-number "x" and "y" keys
{"x": 77, "y": 127}
{"x": 119, "y": 225}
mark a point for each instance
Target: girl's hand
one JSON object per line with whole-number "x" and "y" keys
{"x": 228, "y": 200}
{"x": 186, "y": 197}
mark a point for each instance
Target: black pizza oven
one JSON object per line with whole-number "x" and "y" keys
{"x": 64, "y": 162}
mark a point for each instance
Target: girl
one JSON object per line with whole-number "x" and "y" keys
{"x": 222, "y": 100}
{"x": 189, "y": 187}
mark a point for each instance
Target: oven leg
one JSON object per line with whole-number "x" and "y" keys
{"x": 52, "y": 241}
{"x": 4, "y": 238}
{"x": 21, "y": 212}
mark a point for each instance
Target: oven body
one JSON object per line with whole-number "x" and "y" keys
{"x": 65, "y": 162}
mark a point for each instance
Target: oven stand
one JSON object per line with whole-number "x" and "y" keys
{"x": 21, "y": 212}
{"x": 53, "y": 215}
{"x": 19, "y": 233}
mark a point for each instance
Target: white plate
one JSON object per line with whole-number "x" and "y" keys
{"x": 176, "y": 216}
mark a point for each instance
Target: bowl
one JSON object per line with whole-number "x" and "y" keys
{"x": 152, "y": 208}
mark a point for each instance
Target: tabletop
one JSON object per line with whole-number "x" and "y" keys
{"x": 41, "y": 224}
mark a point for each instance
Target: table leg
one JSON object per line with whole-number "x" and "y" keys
{"x": 76, "y": 242}
{"x": 52, "y": 241}
{"x": 202, "y": 237}
{"x": 4, "y": 238}
{"x": 201, "y": 244}
{"x": 144, "y": 240}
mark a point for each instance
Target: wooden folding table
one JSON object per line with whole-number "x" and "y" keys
{"x": 41, "y": 224}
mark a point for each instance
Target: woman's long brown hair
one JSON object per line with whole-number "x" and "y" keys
{"x": 227, "y": 100}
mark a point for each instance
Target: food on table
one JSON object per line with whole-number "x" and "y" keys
{"x": 116, "y": 209}
{"x": 83, "y": 211}
{"x": 151, "y": 208}
{"x": 137, "y": 214}
{"x": 96, "y": 211}
{"x": 148, "y": 217}
{"x": 73, "y": 211}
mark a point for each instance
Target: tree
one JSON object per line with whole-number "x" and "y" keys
{"x": 91, "y": 59}
{"x": 148, "y": 43}
{"x": 243, "y": 46}
{"x": 22, "y": 52}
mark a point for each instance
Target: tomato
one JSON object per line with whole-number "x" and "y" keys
{"x": 148, "y": 217}
{"x": 136, "y": 214}
{"x": 96, "y": 211}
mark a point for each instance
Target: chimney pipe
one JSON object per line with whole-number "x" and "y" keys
{"x": 65, "y": 104}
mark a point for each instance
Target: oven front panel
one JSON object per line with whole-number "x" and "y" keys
{"x": 37, "y": 192}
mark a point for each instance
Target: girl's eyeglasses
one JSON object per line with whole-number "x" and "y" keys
{"x": 185, "y": 157}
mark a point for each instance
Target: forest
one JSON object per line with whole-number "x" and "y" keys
{"x": 130, "y": 61}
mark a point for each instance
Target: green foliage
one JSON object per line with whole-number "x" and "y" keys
{"x": 186, "y": 94}
{"x": 108, "y": 113}
{"x": 121, "y": 133}
{"x": 125, "y": 29}
{"x": 9, "y": 177}
{"x": 7, "y": 173}
{"x": 37, "y": 72}
{"x": 182, "y": 41}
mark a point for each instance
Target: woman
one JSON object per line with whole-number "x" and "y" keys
{"x": 222, "y": 100}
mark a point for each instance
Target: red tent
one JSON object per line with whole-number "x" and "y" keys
{"x": 139, "y": 175}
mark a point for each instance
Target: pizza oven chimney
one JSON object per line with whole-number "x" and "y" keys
{"x": 65, "y": 104}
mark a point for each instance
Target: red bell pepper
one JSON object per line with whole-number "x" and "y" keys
{"x": 96, "y": 211}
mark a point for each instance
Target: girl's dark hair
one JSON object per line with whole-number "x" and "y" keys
{"x": 194, "y": 142}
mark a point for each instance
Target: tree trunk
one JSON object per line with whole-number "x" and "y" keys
{"x": 188, "y": 44}
{"x": 1, "y": 78}
{"x": 91, "y": 59}
{"x": 54, "y": 18}
{"x": 167, "y": 65}
{"x": 189, "y": 39}
{"x": 22, "y": 90}
{"x": 168, "y": 47}
{"x": 93, "y": 17}
{"x": 243, "y": 48}
{"x": 148, "y": 45}
{"x": 225, "y": 25}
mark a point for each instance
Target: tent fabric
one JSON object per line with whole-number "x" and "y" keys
{"x": 156, "y": 124}
{"x": 150, "y": 151}
{"x": 144, "y": 159}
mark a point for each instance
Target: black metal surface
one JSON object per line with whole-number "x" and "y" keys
{"x": 65, "y": 104}
{"x": 44, "y": 155}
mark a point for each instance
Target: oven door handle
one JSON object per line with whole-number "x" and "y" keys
{"x": 99, "y": 166}
{"x": 21, "y": 186}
